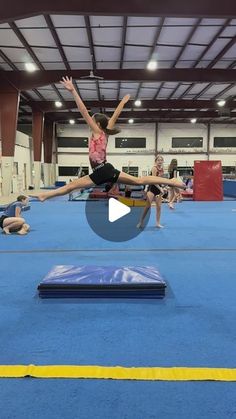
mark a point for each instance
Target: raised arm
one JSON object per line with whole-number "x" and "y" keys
{"x": 117, "y": 112}
{"x": 68, "y": 84}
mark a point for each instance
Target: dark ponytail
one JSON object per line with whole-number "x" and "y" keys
{"x": 111, "y": 131}
{"x": 103, "y": 121}
{"x": 173, "y": 165}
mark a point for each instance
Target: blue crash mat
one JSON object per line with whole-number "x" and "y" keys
{"x": 102, "y": 282}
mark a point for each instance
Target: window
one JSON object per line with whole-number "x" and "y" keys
{"x": 228, "y": 170}
{"x": 122, "y": 142}
{"x": 72, "y": 170}
{"x": 187, "y": 142}
{"x": 15, "y": 169}
{"x": 224, "y": 141}
{"x": 131, "y": 170}
{"x": 80, "y": 142}
{"x": 185, "y": 170}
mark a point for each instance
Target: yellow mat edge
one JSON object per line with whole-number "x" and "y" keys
{"x": 119, "y": 373}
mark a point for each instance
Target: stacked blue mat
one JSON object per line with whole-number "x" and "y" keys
{"x": 102, "y": 282}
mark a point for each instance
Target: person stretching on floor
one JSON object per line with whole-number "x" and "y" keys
{"x": 103, "y": 172}
{"x": 154, "y": 191}
{"x": 11, "y": 220}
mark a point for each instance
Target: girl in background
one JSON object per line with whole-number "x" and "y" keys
{"x": 154, "y": 192}
{"x": 174, "y": 192}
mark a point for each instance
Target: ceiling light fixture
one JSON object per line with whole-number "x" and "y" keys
{"x": 30, "y": 67}
{"x": 152, "y": 65}
{"x": 58, "y": 104}
{"x": 221, "y": 103}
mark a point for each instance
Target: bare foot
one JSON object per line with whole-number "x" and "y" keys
{"x": 159, "y": 226}
{"x": 171, "y": 205}
{"x": 177, "y": 183}
{"x": 41, "y": 197}
{"x": 139, "y": 225}
{"x": 6, "y": 230}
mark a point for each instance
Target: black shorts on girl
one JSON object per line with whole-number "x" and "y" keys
{"x": 154, "y": 189}
{"x": 2, "y": 218}
{"x": 104, "y": 173}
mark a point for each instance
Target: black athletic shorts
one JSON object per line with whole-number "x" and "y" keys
{"x": 2, "y": 218}
{"x": 156, "y": 191}
{"x": 104, "y": 173}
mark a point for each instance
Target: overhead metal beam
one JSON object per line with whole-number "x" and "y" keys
{"x": 189, "y": 37}
{"x": 205, "y": 50}
{"x": 25, "y": 81}
{"x": 227, "y": 47}
{"x": 12, "y": 10}
{"x": 49, "y": 106}
{"x": 22, "y": 39}
{"x": 152, "y": 50}
{"x": 122, "y": 52}
{"x": 61, "y": 50}
{"x": 146, "y": 115}
{"x": 92, "y": 50}
{"x": 57, "y": 41}
{"x": 8, "y": 61}
{"x": 143, "y": 121}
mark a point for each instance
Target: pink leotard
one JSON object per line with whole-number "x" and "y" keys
{"x": 97, "y": 150}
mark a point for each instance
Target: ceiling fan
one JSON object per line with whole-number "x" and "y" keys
{"x": 92, "y": 76}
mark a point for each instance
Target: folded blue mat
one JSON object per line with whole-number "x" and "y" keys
{"x": 102, "y": 281}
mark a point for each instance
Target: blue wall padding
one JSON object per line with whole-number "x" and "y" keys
{"x": 60, "y": 183}
{"x": 229, "y": 187}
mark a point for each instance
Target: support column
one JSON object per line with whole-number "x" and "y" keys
{"x": 37, "y": 133}
{"x": 9, "y": 106}
{"x": 54, "y": 156}
{"x": 48, "y": 136}
{"x": 208, "y": 140}
{"x": 156, "y": 137}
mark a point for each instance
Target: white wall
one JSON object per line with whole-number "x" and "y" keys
{"x": 144, "y": 158}
{"x": 226, "y": 155}
{"x": 23, "y": 157}
{"x": 167, "y": 131}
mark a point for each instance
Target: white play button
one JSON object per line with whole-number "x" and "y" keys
{"x": 117, "y": 210}
{"x": 113, "y": 221}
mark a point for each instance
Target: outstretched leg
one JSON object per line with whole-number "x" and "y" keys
{"x": 149, "y": 180}
{"x": 83, "y": 182}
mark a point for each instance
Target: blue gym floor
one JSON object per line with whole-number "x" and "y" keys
{"x": 194, "y": 326}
